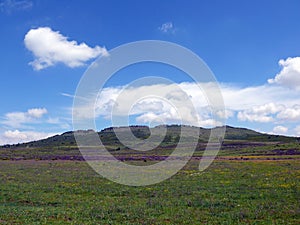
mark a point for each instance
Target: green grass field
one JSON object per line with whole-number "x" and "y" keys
{"x": 228, "y": 192}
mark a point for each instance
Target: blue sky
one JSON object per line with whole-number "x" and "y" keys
{"x": 252, "y": 47}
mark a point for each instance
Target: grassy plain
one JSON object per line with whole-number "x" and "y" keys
{"x": 228, "y": 192}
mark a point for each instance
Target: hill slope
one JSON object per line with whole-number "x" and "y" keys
{"x": 239, "y": 142}
{"x": 108, "y": 136}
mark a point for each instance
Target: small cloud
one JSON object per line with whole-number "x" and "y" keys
{"x": 167, "y": 28}
{"x": 280, "y": 130}
{"x": 9, "y": 6}
{"x": 37, "y": 112}
{"x": 18, "y": 119}
{"x": 289, "y": 76}
{"x": 50, "y": 47}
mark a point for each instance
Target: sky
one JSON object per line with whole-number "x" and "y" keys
{"x": 252, "y": 47}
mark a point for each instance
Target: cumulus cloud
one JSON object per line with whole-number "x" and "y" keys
{"x": 50, "y": 47}
{"x": 289, "y": 76}
{"x": 280, "y": 130}
{"x": 18, "y": 119}
{"x": 252, "y": 117}
{"x": 290, "y": 114}
{"x": 16, "y": 136}
{"x": 167, "y": 27}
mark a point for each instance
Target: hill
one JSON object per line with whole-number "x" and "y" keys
{"x": 108, "y": 136}
{"x": 237, "y": 141}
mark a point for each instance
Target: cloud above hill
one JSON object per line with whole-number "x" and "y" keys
{"x": 50, "y": 47}
{"x": 265, "y": 104}
{"x": 19, "y": 119}
{"x": 19, "y": 127}
{"x": 16, "y": 136}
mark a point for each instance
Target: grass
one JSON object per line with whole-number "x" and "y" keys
{"x": 228, "y": 192}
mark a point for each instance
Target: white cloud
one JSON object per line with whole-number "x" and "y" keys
{"x": 297, "y": 130}
{"x": 26, "y": 126}
{"x": 239, "y": 98}
{"x": 9, "y": 6}
{"x": 252, "y": 117}
{"x": 16, "y": 136}
{"x": 270, "y": 112}
{"x": 153, "y": 103}
{"x": 261, "y": 113}
{"x": 268, "y": 104}
{"x": 289, "y": 75}
{"x": 162, "y": 118}
{"x": 167, "y": 27}
{"x": 50, "y": 47}
{"x": 18, "y": 119}
{"x": 209, "y": 123}
{"x": 270, "y": 108}
{"x": 254, "y": 104}
{"x": 280, "y": 130}
{"x": 163, "y": 103}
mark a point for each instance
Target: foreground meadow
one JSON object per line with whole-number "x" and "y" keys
{"x": 228, "y": 192}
